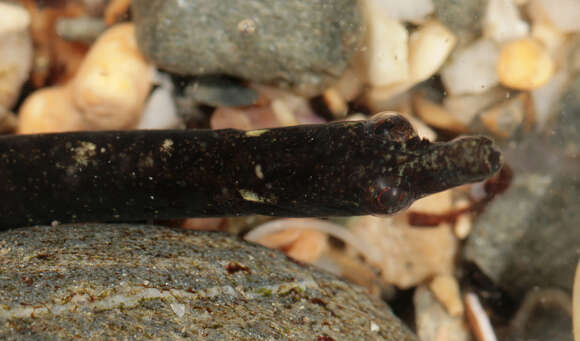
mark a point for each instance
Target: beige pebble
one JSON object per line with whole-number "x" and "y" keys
{"x": 446, "y": 289}
{"x": 113, "y": 81}
{"x": 15, "y": 52}
{"x": 429, "y": 47}
{"x": 436, "y": 115}
{"x": 408, "y": 255}
{"x": 335, "y": 102}
{"x": 386, "y": 52}
{"x": 49, "y": 110}
{"x": 108, "y": 92}
{"x": 524, "y": 64}
{"x": 505, "y": 118}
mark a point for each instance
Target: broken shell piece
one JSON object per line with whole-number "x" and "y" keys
{"x": 49, "y": 110}
{"x": 113, "y": 82}
{"x": 15, "y": 52}
{"x": 524, "y": 64}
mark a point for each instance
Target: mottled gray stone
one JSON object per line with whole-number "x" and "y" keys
{"x": 134, "y": 282}
{"x": 463, "y": 17}
{"x": 529, "y": 236}
{"x": 299, "y": 44}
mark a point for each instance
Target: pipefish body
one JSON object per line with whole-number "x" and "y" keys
{"x": 377, "y": 166}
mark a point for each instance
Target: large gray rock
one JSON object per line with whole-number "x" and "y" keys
{"x": 529, "y": 236}
{"x": 301, "y": 44}
{"x": 134, "y": 282}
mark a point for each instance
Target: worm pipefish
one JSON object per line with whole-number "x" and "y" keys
{"x": 377, "y": 166}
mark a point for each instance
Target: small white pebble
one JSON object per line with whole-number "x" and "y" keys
{"x": 374, "y": 327}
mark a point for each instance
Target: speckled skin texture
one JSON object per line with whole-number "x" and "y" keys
{"x": 377, "y": 166}
{"x": 139, "y": 282}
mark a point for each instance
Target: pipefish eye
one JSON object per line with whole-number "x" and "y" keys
{"x": 392, "y": 199}
{"x": 391, "y": 126}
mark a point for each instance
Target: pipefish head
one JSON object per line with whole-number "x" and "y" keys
{"x": 405, "y": 167}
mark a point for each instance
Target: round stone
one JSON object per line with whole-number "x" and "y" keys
{"x": 120, "y": 281}
{"x": 303, "y": 45}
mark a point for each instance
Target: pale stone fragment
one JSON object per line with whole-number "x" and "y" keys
{"x": 472, "y": 70}
{"x": 503, "y": 21}
{"x": 429, "y": 47}
{"x": 386, "y": 52}
{"x": 15, "y": 52}
{"x": 410, "y": 10}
